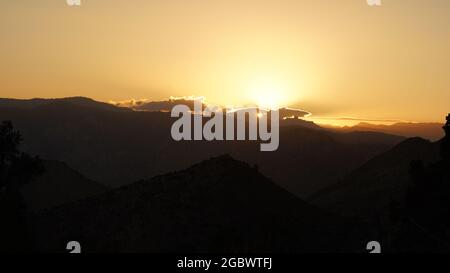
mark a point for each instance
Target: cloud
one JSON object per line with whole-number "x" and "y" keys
{"x": 167, "y": 105}
{"x": 293, "y": 113}
{"x": 157, "y": 106}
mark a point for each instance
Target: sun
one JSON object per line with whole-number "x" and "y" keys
{"x": 268, "y": 94}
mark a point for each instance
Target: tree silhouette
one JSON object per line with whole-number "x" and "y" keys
{"x": 16, "y": 168}
{"x": 428, "y": 200}
{"x": 445, "y": 144}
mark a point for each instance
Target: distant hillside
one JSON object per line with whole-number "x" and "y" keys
{"x": 59, "y": 184}
{"x": 310, "y": 159}
{"x": 430, "y": 131}
{"x": 220, "y": 205}
{"x": 117, "y": 147}
{"x": 369, "y": 190}
{"x": 404, "y": 194}
{"x": 38, "y": 102}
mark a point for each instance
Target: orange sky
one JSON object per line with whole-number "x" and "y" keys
{"x": 333, "y": 58}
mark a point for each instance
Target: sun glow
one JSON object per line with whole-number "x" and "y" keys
{"x": 269, "y": 94}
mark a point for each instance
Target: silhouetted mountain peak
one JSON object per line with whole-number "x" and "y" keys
{"x": 227, "y": 179}
{"x": 428, "y": 130}
{"x": 221, "y": 164}
{"x": 57, "y": 185}
{"x": 412, "y": 142}
{"x": 299, "y": 122}
{"x": 217, "y": 205}
{"x": 79, "y": 99}
{"x": 58, "y": 102}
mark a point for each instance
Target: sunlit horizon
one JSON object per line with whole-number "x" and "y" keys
{"x": 332, "y": 58}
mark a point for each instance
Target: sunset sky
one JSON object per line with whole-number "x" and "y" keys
{"x": 334, "y": 58}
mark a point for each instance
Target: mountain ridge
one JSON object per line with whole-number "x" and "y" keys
{"x": 217, "y": 205}
{"x": 428, "y": 130}
{"x": 120, "y": 147}
{"x": 370, "y": 189}
{"x": 57, "y": 185}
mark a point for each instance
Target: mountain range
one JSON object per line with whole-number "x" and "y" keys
{"x": 219, "y": 205}
{"x": 431, "y": 130}
{"x": 116, "y": 146}
{"x": 370, "y": 189}
{"x": 115, "y": 181}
